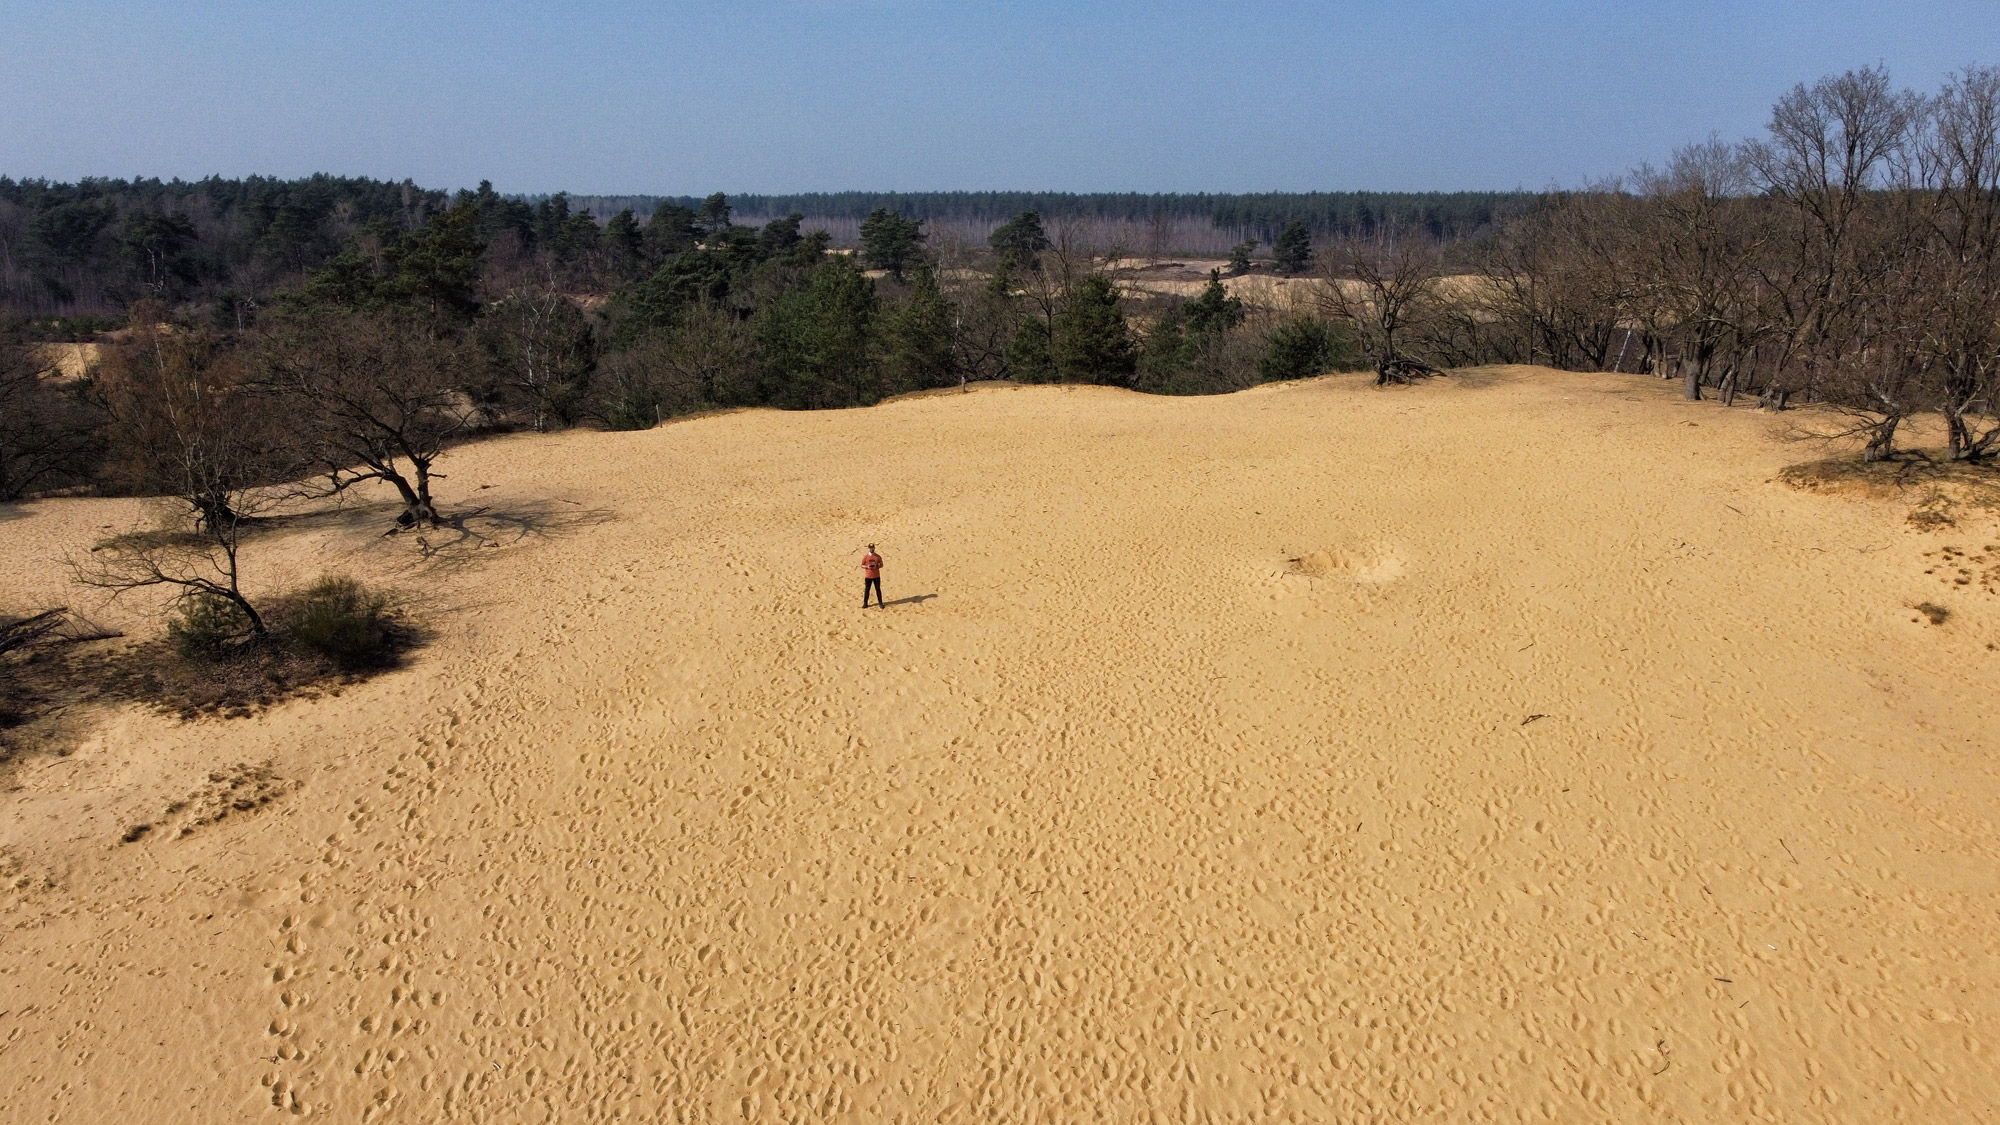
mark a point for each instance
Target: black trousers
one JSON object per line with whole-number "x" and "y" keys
{"x": 874, "y": 584}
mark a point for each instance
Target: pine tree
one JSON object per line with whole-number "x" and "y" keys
{"x": 626, "y": 242}
{"x": 1166, "y": 354}
{"x": 1294, "y": 249}
{"x": 816, "y": 339}
{"x": 917, "y": 337}
{"x": 1215, "y": 311}
{"x": 891, "y": 242}
{"x": 1019, "y": 242}
{"x": 1028, "y": 356}
{"x": 670, "y": 231}
{"x": 1091, "y": 342}
{"x": 713, "y": 218}
{"x": 438, "y": 266}
{"x": 780, "y": 236}
{"x": 1299, "y": 349}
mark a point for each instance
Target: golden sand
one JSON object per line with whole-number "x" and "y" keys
{"x": 69, "y": 361}
{"x": 1508, "y": 748}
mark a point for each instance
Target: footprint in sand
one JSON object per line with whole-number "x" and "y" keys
{"x": 1368, "y": 564}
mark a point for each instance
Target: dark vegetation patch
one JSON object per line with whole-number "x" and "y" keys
{"x": 333, "y": 633}
{"x": 317, "y": 641}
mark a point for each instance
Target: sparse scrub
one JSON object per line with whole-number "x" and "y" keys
{"x": 340, "y": 620}
{"x": 208, "y": 662}
{"x": 204, "y": 626}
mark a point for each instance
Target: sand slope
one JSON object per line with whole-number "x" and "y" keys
{"x": 1131, "y": 818}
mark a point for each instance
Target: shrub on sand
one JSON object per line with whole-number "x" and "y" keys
{"x": 344, "y": 622}
{"x": 204, "y": 624}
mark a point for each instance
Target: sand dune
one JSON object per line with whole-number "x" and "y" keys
{"x": 1508, "y": 748}
{"x": 71, "y": 361}
{"x": 1292, "y": 295}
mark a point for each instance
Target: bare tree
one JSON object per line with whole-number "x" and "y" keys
{"x": 1959, "y": 163}
{"x": 374, "y": 397}
{"x": 184, "y": 421}
{"x": 1696, "y": 248}
{"x": 543, "y": 347}
{"x": 187, "y": 423}
{"x": 1044, "y": 289}
{"x": 1829, "y": 146}
{"x": 205, "y": 561}
{"x": 1159, "y": 236}
{"x": 20, "y": 632}
{"x": 1560, "y": 282}
{"x": 983, "y": 314}
{"x": 1387, "y": 285}
{"x": 709, "y": 360}
{"x": 50, "y": 434}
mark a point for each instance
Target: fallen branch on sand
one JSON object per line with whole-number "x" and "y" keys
{"x": 20, "y": 632}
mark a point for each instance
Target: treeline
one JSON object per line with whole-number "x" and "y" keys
{"x": 84, "y": 251}
{"x": 73, "y": 256}
{"x": 1261, "y": 215}
{"x": 1849, "y": 257}
{"x": 493, "y": 314}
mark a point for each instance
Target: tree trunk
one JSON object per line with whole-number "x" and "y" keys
{"x": 417, "y": 509}
{"x": 249, "y": 611}
{"x": 423, "y": 510}
{"x": 212, "y": 513}
{"x": 1691, "y": 380}
{"x": 1882, "y": 439}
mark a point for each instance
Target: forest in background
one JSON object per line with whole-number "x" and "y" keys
{"x": 1156, "y": 224}
{"x": 1848, "y": 257}
{"x": 88, "y": 249}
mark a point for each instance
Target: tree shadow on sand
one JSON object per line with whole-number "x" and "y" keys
{"x": 458, "y": 538}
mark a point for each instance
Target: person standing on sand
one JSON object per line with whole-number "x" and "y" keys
{"x": 871, "y": 569}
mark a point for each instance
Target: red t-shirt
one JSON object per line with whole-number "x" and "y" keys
{"x": 871, "y": 565}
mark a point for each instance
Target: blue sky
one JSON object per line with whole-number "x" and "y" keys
{"x": 912, "y": 95}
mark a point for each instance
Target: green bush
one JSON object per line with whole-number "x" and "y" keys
{"x": 343, "y": 621}
{"x": 204, "y": 624}
{"x": 1309, "y": 346}
{"x": 633, "y": 412}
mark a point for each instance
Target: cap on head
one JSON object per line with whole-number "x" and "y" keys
{"x": 871, "y": 546}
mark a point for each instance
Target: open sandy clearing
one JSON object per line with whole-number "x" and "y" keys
{"x": 1576, "y": 771}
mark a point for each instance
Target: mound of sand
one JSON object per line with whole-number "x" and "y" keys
{"x": 1370, "y": 563}
{"x": 68, "y": 361}
{"x": 1577, "y": 770}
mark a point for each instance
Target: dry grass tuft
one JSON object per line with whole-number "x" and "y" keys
{"x": 1933, "y": 512}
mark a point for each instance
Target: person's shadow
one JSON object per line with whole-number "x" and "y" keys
{"x": 917, "y": 599}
